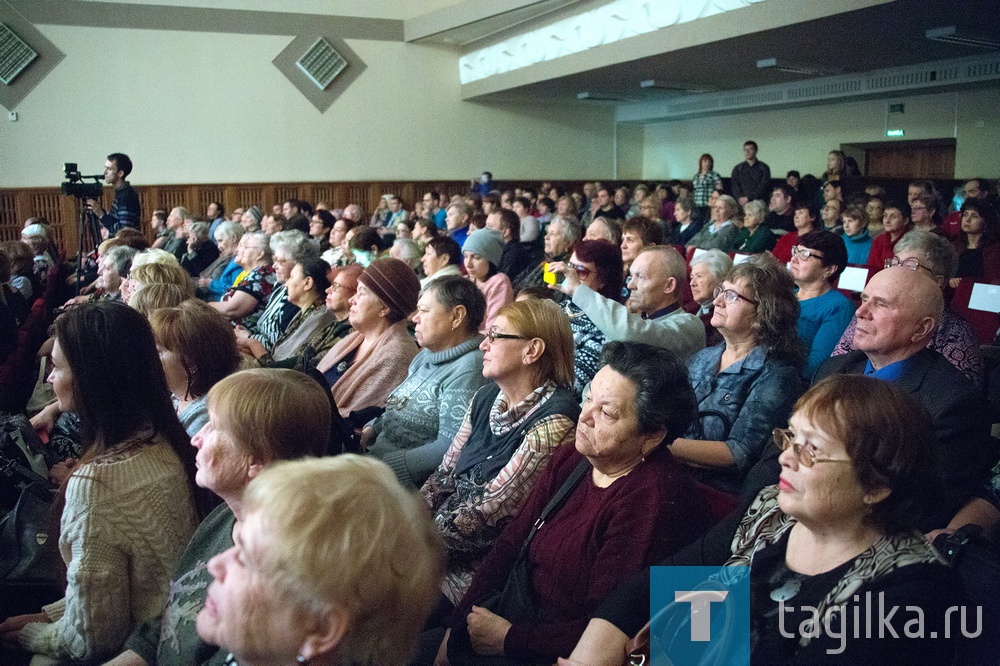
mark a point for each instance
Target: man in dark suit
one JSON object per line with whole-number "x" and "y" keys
{"x": 899, "y": 312}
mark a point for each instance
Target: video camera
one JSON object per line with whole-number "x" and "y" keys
{"x": 75, "y": 187}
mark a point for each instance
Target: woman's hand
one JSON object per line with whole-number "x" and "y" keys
{"x": 487, "y": 631}
{"x": 442, "y": 656}
{"x": 62, "y": 470}
{"x": 571, "y": 281}
{"x": 242, "y": 332}
{"x": 954, "y": 282}
{"x": 251, "y": 346}
{"x": 10, "y": 629}
{"x": 45, "y": 420}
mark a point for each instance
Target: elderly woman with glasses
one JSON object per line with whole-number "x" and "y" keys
{"x": 953, "y": 338}
{"x": 510, "y": 430}
{"x": 245, "y": 301}
{"x": 626, "y": 500}
{"x": 745, "y": 386}
{"x": 824, "y": 313}
{"x": 835, "y": 539}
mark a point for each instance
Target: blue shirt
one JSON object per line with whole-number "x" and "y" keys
{"x": 889, "y": 373}
{"x": 822, "y": 320}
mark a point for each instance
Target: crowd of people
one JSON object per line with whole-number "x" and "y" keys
{"x": 463, "y": 433}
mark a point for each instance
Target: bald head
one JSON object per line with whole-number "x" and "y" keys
{"x": 899, "y": 312}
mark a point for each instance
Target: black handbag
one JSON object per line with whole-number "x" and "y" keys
{"x": 977, "y": 562}
{"x": 516, "y": 602}
{"x": 28, "y": 553}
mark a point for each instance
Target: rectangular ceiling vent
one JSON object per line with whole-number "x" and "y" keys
{"x": 15, "y": 55}
{"x": 321, "y": 63}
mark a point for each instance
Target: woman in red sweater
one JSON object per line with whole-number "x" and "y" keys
{"x": 895, "y": 222}
{"x": 632, "y": 504}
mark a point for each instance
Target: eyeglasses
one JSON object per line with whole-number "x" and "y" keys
{"x": 730, "y": 296}
{"x": 918, "y": 207}
{"x": 909, "y": 262}
{"x": 492, "y": 335}
{"x": 804, "y": 253}
{"x": 337, "y": 287}
{"x": 582, "y": 271}
{"x": 784, "y": 437}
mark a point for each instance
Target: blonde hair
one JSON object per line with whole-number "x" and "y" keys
{"x": 345, "y": 536}
{"x": 155, "y": 256}
{"x": 546, "y": 320}
{"x": 148, "y": 274}
{"x": 273, "y": 413}
{"x": 151, "y": 297}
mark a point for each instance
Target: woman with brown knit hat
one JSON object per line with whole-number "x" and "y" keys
{"x": 368, "y": 364}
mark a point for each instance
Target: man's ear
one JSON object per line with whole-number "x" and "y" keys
{"x": 670, "y": 286}
{"x": 924, "y": 328}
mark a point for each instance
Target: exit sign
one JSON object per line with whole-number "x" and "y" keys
{"x": 895, "y": 132}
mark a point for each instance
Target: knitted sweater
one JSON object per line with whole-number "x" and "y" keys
{"x": 424, "y": 413}
{"x": 170, "y": 638}
{"x": 127, "y": 518}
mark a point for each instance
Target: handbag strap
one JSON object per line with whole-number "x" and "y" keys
{"x": 557, "y": 501}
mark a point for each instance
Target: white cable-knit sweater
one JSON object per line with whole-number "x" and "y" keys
{"x": 127, "y": 519}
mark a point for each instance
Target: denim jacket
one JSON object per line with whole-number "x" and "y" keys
{"x": 743, "y": 403}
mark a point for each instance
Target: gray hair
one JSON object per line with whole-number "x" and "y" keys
{"x": 295, "y": 244}
{"x": 229, "y": 230}
{"x": 716, "y": 261}
{"x": 200, "y": 231}
{"x": 120, "y": 258}
{"x": 757, "y": 208}
{"x": 730, "y": 204}
{"x": 938, "y": 253}
{"x": 260, "y": 240}
{"x": 409, "y": 251}
{"x": 572, "y": 232}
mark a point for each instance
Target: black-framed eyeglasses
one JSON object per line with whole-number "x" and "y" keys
{"x": 730, "y": 296}
{"x": 909, "y": 262}
{"x": 784, "y": 438}
{"x": 581, "y": 271}
{"x": 803, "y": 253}
{"x": 492, "y": 335}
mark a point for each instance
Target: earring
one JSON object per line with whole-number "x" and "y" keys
{"x": 299, "y": 659}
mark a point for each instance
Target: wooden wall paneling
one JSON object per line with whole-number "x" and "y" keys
{"x": 283, "y": 193}
{"x": 247, "y": 196}
{"x": 324, "y": 193}
{"x": 204, "y": 195}
{"x": 10, "y": 224}
{"x": 173, "y": 196}
{"x": 358, "y": 193}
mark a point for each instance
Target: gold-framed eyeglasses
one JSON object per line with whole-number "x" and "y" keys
{"x": 784, "y": 438}
{"x": 730, "y": 296}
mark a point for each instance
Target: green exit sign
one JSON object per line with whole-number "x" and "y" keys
{"x": 896, "y": 132}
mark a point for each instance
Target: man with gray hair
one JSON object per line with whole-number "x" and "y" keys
{"x": 354, "y": 213}
{"x": 655, "y": 280}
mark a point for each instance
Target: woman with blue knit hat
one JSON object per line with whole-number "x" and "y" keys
{"x": 483, "y": 250}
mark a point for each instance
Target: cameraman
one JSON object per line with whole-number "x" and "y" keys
{"x": 125, "y": 211}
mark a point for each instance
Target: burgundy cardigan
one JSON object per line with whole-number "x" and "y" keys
{"x": 595, "y": 541}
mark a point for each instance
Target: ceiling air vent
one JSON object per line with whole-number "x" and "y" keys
{"x": 321, "y": 63}
{"x": 15, "y": 55}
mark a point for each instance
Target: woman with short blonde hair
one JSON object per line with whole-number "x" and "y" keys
{"x": 304, "y": 520}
